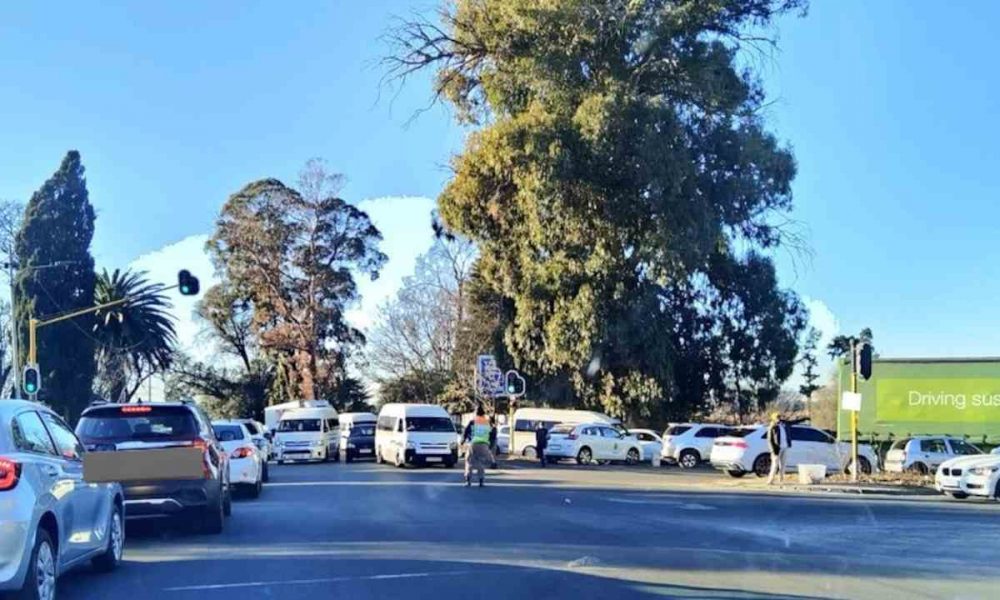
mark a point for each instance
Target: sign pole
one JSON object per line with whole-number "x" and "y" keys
{"x": 854, "y": 415}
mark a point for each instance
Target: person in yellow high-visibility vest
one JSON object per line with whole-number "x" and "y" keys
{"x": 478, "y": 456}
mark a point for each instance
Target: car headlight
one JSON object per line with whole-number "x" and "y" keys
{"x": 984, "y": 470}
{"x": 453, "y": 445}
{"x": 318, "y": 443}
{"x": 411, "y": 446}
{"x": 350, "y": 444}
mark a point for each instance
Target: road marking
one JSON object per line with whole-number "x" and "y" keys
{"x": 342, "y": 579}
{"x": 663, "y": 502}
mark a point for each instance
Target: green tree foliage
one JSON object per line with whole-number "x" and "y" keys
{"x": 350, "y": 395}
{"x": 620, "y": 161}
{"x": 840, "y": 345}
{"x": 809, "y": 362}
{"x": 136, "y": 338}
{"x": 292, "y": 255}
{"x": 58, "y": 227}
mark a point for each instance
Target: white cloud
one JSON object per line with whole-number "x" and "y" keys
{"x": 823, "y": 319}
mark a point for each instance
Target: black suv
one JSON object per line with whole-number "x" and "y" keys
{"x": 124, "y": 427}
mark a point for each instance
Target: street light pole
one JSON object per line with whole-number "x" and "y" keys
{"x": 14, "y": 370}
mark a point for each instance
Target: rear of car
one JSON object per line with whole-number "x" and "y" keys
{"x": 896, "y": 457}
{"x": 563, "y": 442}
{"x": 691, "y": 443}
{"x": 735, "y": 452}
{"x": 44, "y": 500}
{"x": 672, "y": 440}
{"x": 152, "y": 427}
{"x": 246, "y": 462}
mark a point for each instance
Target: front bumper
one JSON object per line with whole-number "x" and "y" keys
{"x": 978, "y": 485}
{"x": 946, "y": 484}
{"x": 303, "y": 453}
{"x": 421, "y": 457}
{"x": 367, "y": 451}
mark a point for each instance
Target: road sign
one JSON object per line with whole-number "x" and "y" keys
{"x": 851, "y": 401}
{"x": 490, "y": 381}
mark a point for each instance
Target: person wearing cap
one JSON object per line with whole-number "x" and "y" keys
{"x": 478, "y": 455}
{"x": 779, "y": 441}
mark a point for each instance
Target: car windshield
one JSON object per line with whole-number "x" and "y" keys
{"x": 440, "y": 424}
{"x": 252, "y": 427}
{"x": 900, "y": 444}
{"x": 138, "y": 424}
{"x": 228, "y": 433}
{"x": 740, "y": 432}
{"x": 362, "y": 431}
{"x": 299, "y": 425}
{"x": 964, "y": 448}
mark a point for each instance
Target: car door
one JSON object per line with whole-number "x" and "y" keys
{"x": 614, "y": 444}
{"x": 804, "y": 447}
{"x": 591, "y": 437}
{"x": 704, "y": 438}
{"x": 934, "y": 451}
{"x": 90, "y": 503}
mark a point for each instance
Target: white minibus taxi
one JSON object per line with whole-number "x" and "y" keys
{"x": 415, "y": 434}
{"x": 308, "y": 434}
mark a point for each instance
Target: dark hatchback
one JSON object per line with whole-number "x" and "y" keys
{"x": 126, "y": 427}
{"x": 359, "y": 442}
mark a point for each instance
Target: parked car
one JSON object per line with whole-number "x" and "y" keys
{"x": 744, "y": 451}
{"x": 688, "y": 444}
{"x": 44, "y": 501}
{"x": 247, "y": 465}
{"x": 963, "y": 476}
{"x": 592, "y": 442}
{"x": 649, "y": 442}
{"x": 308, "y": 434}
{"x": 358, "y": 441}
{"x": 415, "y": 434}
{"x": 158, "y": 426}
{"x": 503, "y": 439}
{"x": 526, "y": 421}
{"x": 261, "y": 438}
{"x": 924, "y": 454}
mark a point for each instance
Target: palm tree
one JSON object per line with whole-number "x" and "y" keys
{"x": 136, "y": 338}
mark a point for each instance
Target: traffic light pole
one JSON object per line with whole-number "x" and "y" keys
{"x": 854, "y": 414}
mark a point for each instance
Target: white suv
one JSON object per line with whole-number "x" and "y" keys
{"x": 746, "y": 451}
{"x": 924, "y": 454}
{"x": 592, "y": 442}
{"x": 688, "y": 444}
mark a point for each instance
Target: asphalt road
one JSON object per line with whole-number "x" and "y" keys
{"x": 368, "y": 531}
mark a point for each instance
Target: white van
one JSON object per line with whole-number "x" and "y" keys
{"x": 526, "y": 421}
{"x": 308, "y": 434}
{"x": 272, "y": 414}
{"x": 415, "y": 434}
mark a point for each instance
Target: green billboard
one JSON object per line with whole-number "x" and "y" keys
{"x": 926, "y": 396}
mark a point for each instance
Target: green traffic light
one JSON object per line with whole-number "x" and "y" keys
{"x": 30, "y": 387}
{"x": 184, "y": 290}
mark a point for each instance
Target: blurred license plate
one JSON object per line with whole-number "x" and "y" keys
{"x": 365, "y": 451}
{"x": 555, "y": 447}
{"x": 433, "y": 459}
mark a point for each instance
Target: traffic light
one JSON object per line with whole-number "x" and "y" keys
{"x": 865, "y": 361}
{"x": 187, "y": 283}
{"x": 31, "y": 380}
{"x": 514, "y": 384}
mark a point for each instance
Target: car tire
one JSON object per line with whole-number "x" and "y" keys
{"x": 112, "y": 555}
{"x": 688, "y": 459}
{"x": 40, "y": 580}
{"x": 347, "y": 457}
{"x": 213, "y": 518}
{"x": 919, "y": 468}
{"x": 378, "y": 456}
{"x": 584, "y": 456}
{"x": 254, "y": 490}
{"x": 959, "y": 495}
{"x": 866, "y": 466}
{"x": 633, "y": 457}
{"x": 267, "y": 474}
{"x": 762, "y": 465}
{"x": 736, "y": 474}
{"x": 399, "y": 461}
{"x": 530, "y": 452}
{"x": 227, "y": 502}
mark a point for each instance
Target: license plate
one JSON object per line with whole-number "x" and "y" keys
{"x": 433, "y": 459}
{"x": 365, "y": 451}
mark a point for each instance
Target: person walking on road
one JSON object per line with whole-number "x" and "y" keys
{"x": 478, "y": 456}
{"x": 494, "y": 450}
{"x": 541, "y": 442}
{"x": 779, "y": 441}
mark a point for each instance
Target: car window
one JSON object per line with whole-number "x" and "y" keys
{"x": 808, "y": 434}
{"x": 677, "y": 429}
{"x": 900, "y": 444}
{"x": 609, "y": 432}
{"x": 332, "y": 424}
{"x": 300, "y": 425}
{"x": 66, "y": 443}
{"x": 132, "y": 422}
{"x": 963, "y": 448}
{"x": 30, "y": 434}
{"x": 644, "y": 437}
{"x": 707, "y": 432}
{"x": 562, "y": 429}
{"x": 228, "y": 433}
{"x": 252, "y": 427}
{"x": 935, "y": 446}
{"x": 365, "y": 430}
{"x": 439, "y": 424}
{"x": 386, "y": 423}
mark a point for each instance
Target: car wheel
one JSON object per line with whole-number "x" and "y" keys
{"x": 267, "y": 474}
{"x": 632, "y": 457}
{"x": 530, "y": 452}
{"x": 736, "y": 474}
{"x": 866, "y": 466}
{"x": 255, "y": 489}
{"x": 762, "y": 465}
{"x": 584, "y": 456}
{"x": 918, "y": 468}
{"x": 109, "y": 559}
{"x": 40, "y": 580}
{"x": 689, "y": 459}
{"x": 227, "y": 502}
{"x": 213, "y": 518}
{"x": 399, "y": 460}
{"x": 959, "y": 495}
{"x": 378, "y": 456}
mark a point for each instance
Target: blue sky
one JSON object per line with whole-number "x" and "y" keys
{"x": 890, "y": 107}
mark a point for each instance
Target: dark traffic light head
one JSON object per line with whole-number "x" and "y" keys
{"x": 31, "y": 380}
{"x": 865, "y": 361}
{"x": 187, "y": 283}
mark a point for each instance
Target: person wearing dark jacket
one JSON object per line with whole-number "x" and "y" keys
{"x": 541, "y": 442}
{"x": 779, "y": 440}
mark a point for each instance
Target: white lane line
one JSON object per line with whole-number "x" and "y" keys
{"x": 661, "y": 502}
{"x": 342, "y": 579}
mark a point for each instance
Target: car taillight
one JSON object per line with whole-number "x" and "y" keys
{"x": 206, "y": 468}
{"x": 244, "y": 452}
{"x": 739, "y": 444}
{"x": 571, "y": 436}
{"x": 10, "y": 472}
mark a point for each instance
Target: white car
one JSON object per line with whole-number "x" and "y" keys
{"x": 688, "y": 444}
{"x": 924, "y": 454}
{"x": 746, "y": 451}
{"x": 965, "y": 476}
{"x": 247, "y": 466}
{"x": 261, "y": 439}
{"x": 503, "y": 439}
{"x": 649, "y": 441}
{"x": 592, "y": 442}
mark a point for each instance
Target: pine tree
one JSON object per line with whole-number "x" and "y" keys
{"x": 56, "y": 275}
